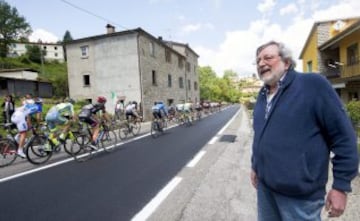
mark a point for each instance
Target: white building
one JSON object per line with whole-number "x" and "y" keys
{"x": 52, "y": 51}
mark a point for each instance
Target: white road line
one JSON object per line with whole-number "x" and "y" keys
{"x": 157, "y": 200}
{"x": 213, "y": 140}
{"x": 228, "y": 123}
{"x": 196, "y": 159}
{"x": 35, "y": 170}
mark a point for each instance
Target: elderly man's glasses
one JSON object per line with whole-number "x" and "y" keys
{"x": 266, "y": 58}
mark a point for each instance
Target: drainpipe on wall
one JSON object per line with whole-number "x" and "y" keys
{"x": 140, "y": 75}
{"x": 186, "y": 83}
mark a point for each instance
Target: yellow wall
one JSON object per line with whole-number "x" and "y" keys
{"x": 346, "y": 42}
{"x": 310, "y": 54}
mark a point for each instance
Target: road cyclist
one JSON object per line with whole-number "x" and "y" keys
{"x": 160, "y": 113}
{"x": 188, "y": 113}
{"x": 21, "y": 118}
{"x": 60, "y": 115}
{"x": 95, "y": 121}
{"x": 132, "y": 124}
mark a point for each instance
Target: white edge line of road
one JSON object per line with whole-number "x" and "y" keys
{"x": 196, "y": 159}
{"x": 217, "y": 136}
{"x": 157, "y": 200}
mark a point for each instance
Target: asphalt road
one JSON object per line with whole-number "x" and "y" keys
{"x": 113, "y": 186}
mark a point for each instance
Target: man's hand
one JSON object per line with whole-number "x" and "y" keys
{"x": 253, "y": 178}
{"x": 335, "y": 203}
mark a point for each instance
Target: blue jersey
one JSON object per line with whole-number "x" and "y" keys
{"x": 31, "y": 108}
{"x": 160, "y": 107}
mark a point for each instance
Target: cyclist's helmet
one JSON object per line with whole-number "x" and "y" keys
{"x": 101, "y": 99}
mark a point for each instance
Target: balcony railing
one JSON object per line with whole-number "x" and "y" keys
{"x": 350, "y": 70}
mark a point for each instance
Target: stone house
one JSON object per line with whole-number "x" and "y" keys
{"x": 332, "y": 49}
{"x": 132, "y": 64}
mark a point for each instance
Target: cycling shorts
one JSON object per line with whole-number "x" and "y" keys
{"x": 19, "y": 118}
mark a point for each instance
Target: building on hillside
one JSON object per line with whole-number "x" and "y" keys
{"x": 19, "y": 82}
{"x": 250, "y": 84}
{"x": 332, "y": 49}
{"x": 52, "y": 51}
{"x": 134, "y": 64}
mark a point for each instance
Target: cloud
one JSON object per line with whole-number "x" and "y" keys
{"x": 289, "y": 9}
{"x": 266, "y": 6}
{"x": 237, "y": 50}
{"x": 196, "y": 27}
{"x": 43, "y": 35}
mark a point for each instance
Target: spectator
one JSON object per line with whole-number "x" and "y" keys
{"x": 8, "y": 108}
{"x": 298, "y": 120}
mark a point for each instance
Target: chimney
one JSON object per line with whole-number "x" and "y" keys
{"x": 110, "y": 29}
{"x": 160, "y": 38}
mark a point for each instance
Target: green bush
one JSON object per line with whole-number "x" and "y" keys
{"x": 353, "y": 108}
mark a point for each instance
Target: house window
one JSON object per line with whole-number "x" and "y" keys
{"x": 352, "y": 54}
{"x": 187, "y": 66}
{"x": 153, "y": 76}
{"x": 167, "y": 56}
{"x": 86, "y": 80}
{"x": 189, "y": 85}
{"x": 195, "y": 86}
{"x": 169, "y": 80}
{"x": 309, "y": 66}
{"x": 152, "y": 49}
{"x": 170, "y": 102}
{"x": 56, "y": 54}
{"x": 55, "y": 48}
{"x": 84, "y": 51}
{"x": 180, "y": 62}
{"x": 181, "y": 82}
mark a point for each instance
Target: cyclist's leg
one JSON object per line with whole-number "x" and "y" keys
{"x": 65, "y": 124}
{"x": 52, "y": 123}
{"x": 19, "y": 118}
{"x": 95, "y": 128}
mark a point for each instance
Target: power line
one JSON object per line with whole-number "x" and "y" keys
{"x": 93, "y": 14}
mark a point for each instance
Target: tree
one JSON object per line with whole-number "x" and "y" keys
{"x": 67, "y": 37}
{"x": 35, "y": 53}
{"x": 12, "y": 27}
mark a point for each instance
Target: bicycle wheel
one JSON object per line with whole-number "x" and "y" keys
{"x": 7, "y": 152}
{"x": 35, "y": 150}
{"x": 154, "y": 130}
{"x": 136, "y": 126}
{"x": 164, "y": 124}
{"x": 187, "y": 121}
{"x": 108, "y": 141}
{"x": 78, "y": 139}
{"x": 80, "y": 149}
{"x": 123, "y": 132}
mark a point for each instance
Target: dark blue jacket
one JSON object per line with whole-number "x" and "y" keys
{"x": 291, "y": 149}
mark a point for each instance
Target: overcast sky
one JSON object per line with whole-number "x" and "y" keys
{"x": 224, "y": 33}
